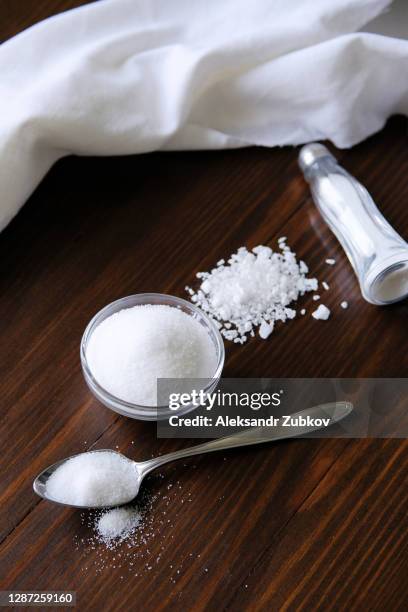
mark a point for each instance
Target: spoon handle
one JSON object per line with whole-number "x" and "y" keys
{"x": 334, "y": 411}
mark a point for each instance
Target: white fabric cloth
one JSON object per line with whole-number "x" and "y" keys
{"x": 129, "y": 76}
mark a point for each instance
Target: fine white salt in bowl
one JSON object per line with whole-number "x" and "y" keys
{"x": 130, "y": 408}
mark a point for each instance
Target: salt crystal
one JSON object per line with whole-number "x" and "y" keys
{"x": 322, "y": 313}
{"x": 344, "y": 305}
{"x": 331, "y": 262}
{"x": 133, "y": 348}
{"x": 265, "y": 330}
{"x": 303, "y": 311}
{"x": 316, "y": 297}
{"x": 253, "y": 290}
{"x": 102, "y": 478}
{"x": 229, "y": 334}
{"x": 325, "y": 285}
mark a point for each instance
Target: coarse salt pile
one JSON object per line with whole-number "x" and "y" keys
{"x": 253, "y": 290}
{"x": 132, "y": 348}
{"x": 99, "y": 478}
{"x": 118, "y": 523}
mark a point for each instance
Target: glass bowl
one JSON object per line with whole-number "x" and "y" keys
{"x": 148, "y": 413}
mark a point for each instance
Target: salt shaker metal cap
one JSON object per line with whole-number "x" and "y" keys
{"x": 376, "y": 251}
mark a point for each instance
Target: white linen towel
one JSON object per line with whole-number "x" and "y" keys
{"x": 128, "y": 76}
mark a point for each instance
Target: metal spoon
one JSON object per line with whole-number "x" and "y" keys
{"x": 335, "y": 411}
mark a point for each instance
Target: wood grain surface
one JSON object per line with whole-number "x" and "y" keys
{"x": 299, "y": 525}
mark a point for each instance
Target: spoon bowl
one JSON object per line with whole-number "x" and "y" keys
{"x": 40, "y": 482}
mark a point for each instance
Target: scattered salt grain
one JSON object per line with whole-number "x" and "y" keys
{"x": 330, "y": 262}
{"x": 325, "y": 285}
{"x": 132, "y": 348}
{"x": 117, "y": 523}
{"x": 322, "y": 313}
{"x": 148, "y": 523}
{"x": 102, "y": 478}
{"x": 316, "y": 297}
{"x": 303, "y": 311}
{"x": 252, "y": 290}
{"x": 265, "y": 330}
{"x": 344, "y": 305}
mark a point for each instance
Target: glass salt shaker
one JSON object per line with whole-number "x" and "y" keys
{"x": 376, "y": 251}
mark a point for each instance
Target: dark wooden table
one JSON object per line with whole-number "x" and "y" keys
{"x": 300, "y": 525}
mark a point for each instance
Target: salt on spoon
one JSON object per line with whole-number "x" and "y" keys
{"x": 94, "y": 479}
